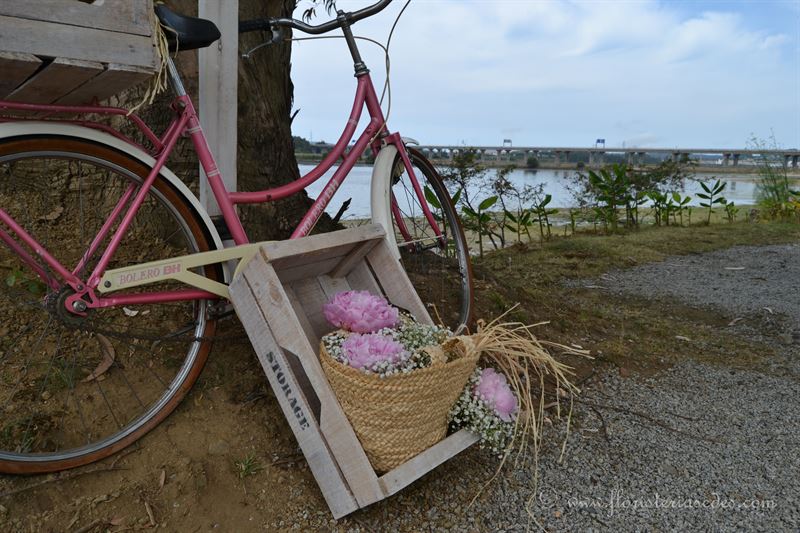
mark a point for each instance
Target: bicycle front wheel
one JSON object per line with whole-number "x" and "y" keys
{"x": 76, "y": 389}
{"x": 436, "y": 258}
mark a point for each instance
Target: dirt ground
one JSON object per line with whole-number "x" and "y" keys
{"x": 187, "y": 474}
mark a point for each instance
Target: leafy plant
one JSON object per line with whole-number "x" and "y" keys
{"x": 731, "y": 211}
{"x": 480, "y": 221}
{"x": 612, "y": 190}
{"x": 519, "y": 223}
{"x": 17, "y": 278}
{"x": 712, "y": 195}
{"x": 773, "y": 189}
{"x": 248, "y": 466}
{"x": 543, "y": 214}
{"x": 680, "y": 205}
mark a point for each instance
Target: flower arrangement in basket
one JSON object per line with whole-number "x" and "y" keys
{"x": 403, "y": 384}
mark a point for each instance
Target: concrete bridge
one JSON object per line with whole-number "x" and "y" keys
{"x": 633, "y": 156}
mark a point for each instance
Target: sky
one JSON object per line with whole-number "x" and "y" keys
{"x": 639, "y": 73}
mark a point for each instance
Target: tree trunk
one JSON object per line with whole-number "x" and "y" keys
{"x": 265, "y": 152}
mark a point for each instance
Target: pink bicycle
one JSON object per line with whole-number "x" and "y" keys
{"x": 115, "y": 276}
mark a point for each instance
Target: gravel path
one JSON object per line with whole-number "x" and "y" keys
{"x": 731, "y": 460}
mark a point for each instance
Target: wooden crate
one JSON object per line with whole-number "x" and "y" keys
{"x": 278, "y": 296}
{"x": 72, "y": 52}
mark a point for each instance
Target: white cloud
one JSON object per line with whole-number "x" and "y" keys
{"x": 563, "y": 73}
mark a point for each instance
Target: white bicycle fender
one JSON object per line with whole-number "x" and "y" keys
{"x": 15, "y": 129}
{"x": 381, "y": 194}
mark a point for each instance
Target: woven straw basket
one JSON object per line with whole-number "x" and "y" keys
{"x": 399, "y": 416}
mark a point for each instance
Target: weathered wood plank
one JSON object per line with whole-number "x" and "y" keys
{"x": 305, "y": 270}
{"x": 218, "y": 86}
{"x": 318, "y": 246}
{"x": 114, "y": 79}
{"x": 16, "y": 68}
{"x": 353, "y": 258}
{"x": 59, "y": 77}
{"x": 331, "y": 286}
{"x": 293, "y": 402}
{"x": 312, "y": 298}
{"x": 300, "y": 313}
{"x": 61, "y": 40}
{"x": 418, "y": 466}
{"x": 125, "y": 16}
{"x": 362, "y": 279}
{"x": 289, "y": 334}
{"x": 395, "y": 283}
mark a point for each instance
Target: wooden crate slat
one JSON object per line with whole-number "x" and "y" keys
{"x": 398, "y": 289}
{"x": 353, "y": 258}
{"x": 60, "y": 76}
{"x": 418, "y": 466}
{"x": 309, "y": 293}
{"x": 114, "y": 79}
{"x": 311, "y": 333}
{"x": 331, "y": 286}
{"x": 16, "y": 68}
{"x": 309, "y": 270}
{"x": 293, "y": 402}
{"x": 72, "y": 42}
{"x": 126, "y": 16}
{"x": 276, "y": 309}
{"x": 361, "y": 279}
{"x": 335, "y": 243}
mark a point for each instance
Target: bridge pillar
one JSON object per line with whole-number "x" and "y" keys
{"x": 736, "y": 160}
{"x": 726, "y": 159}
{"x": 794, "y": 161}
{"x": 786, "y": 158}
{"x": 558, "y": 157}
{"x": 629, "y": 158}
{"x": 566, "y": 157}
{"x": 641, "y": 158}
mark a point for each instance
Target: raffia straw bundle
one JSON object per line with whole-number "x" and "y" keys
{"x": 515, "y": 351}
{"x": 158, "y": 82}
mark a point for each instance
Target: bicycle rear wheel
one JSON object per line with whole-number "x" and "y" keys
{"x": 74, "y": 390}
{"x": 438, "y": 265}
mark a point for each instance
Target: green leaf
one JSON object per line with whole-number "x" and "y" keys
{"x": 703, "y": 196}
{"x": 676, "y": 196}
{"x": 469, "y": 212}
{"x": 457, "y": 196}
{"x": 705, "y": 188}
{"x": 704, "y": 205}
{"x": 546, "y": 200}
{"x": 511, "y": 217}
{"x": 431, "y": 197}
{"x": 720, "y": 200}
{"x": 487, "y": 203}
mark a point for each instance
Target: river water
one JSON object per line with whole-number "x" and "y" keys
{"x": 740, "y": 188}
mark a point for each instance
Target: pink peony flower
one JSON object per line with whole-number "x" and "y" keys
{"x": 494, "y": 390}
{"x": 360, "y": 312}
{"x": 366, "y": 350}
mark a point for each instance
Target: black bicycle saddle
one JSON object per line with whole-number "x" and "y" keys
{"x": 186, "y": 33}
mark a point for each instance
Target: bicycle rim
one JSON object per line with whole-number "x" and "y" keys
{"x": 438, "y": 266}
{"x": 74, "y": 390}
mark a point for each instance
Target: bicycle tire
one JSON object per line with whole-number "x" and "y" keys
{"x": 171, "y": 347}
{"x": 441, "y": 272}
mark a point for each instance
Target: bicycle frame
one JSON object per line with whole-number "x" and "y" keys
{"x": 186, "y": 122}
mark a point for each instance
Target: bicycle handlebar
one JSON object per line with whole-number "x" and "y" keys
{"x": 268, "y": 24}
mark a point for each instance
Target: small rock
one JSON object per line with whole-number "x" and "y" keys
{"x": 46, "y": 395}
{"x": 786, "y": 338}
{"x": 219, "y": 447}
